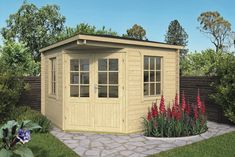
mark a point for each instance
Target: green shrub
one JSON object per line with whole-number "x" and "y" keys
{"x": 24, "y": 113}
{"x": 225, "y": 85}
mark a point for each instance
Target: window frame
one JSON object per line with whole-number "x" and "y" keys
{"x": 79, "y": 84}
{"x": 149, "y": 96}
{"x": 53, "y": 77}
{"x": 107, "y": 85}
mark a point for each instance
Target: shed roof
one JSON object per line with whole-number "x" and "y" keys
{"x": 83, "y": 39}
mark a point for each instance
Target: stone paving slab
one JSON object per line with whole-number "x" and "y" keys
{"x": 132, "y": 145}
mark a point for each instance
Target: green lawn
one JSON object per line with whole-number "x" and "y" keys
{"x": 46, "y": 145}
{"x": 221, "y": 146}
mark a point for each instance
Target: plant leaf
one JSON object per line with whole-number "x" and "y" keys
{"x": 5, "y": 153}
{"x": 24, "y": 152}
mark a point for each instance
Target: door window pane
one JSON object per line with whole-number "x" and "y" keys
{"x": 74, "y": 78}
{"x": 158, "y": 75}
{"x": 74, "y": 65}
{"x": 102, "y": 78}
{"x": 113, "y": 77}
{"x": 84, "y": 64}
{"x": 84, "y": 91}
{"x": 151, "y": 76}
{"x": 113, "y": 64}
{"x": 74, "y": 91}
{"x": 113, "y": 91}
{"x": 102, "y": 91}
{"x": 84, "y": 79}
{"x": 102, "y": 64}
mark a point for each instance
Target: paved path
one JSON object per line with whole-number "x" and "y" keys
{"x": 133, "y": 145}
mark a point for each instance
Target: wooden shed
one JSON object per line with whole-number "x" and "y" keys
{"x": 104, "y": 83}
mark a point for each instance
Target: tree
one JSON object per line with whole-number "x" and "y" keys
{"x": 136, "y": 32}
{"x": 216, "y": 28}
{"x": 84, "y": 28}
{"x": 200, "y": 63}
{"x": 176, "y": 35}
{"x": 36, "y": 27}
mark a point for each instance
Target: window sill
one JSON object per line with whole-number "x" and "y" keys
{"x": 151, "y": 98}
{"x": 52, "y": 96}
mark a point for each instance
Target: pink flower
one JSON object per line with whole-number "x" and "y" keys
{"x": 149, "y": 116}
{"x": 162, "y": 106}
{"x": 203, "y": 108}
{"x": 195, "y": 113}
{"x": 198, "y": 100}
{"x": 183, "y": 107}
{"x": 187, "y": 110}
{"x": 154, "y": 110}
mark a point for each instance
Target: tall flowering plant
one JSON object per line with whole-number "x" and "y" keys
{"x": 177, "y": 120}
{"x": 14, "y": 136}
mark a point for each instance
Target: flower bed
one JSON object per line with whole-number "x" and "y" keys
{"x": 179, "y": 120}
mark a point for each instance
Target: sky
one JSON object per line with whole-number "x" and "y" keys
{"x": 153, "y": 15}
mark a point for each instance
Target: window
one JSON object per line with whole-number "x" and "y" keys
{"x": 152, "y": 76}
{"x": 108, "y": 78}
{"x": 79, "y": 77}
{"x": 53, "y": 76}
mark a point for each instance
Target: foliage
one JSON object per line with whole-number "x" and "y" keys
{"x": 176, "y": 35}
{"x": 136, "y": 32}
{"x": 219, "y": 146}
{"x": 200, "y": 63}
{"x": 14, "y": 135}
{"x": 24, "y": 113}
{"x": 225, "y": 85}
{"x": 84, "y": 28}
{"x": 177, "y": 121}
{"x": 216, "y": 28}
{"x": 46, "y": 145}
{"x": 36, "y": 27}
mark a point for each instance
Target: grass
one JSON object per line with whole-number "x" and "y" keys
{"x": 220, "y": 146}
{"x": 46, "y": 145}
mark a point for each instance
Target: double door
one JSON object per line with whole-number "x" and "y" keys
{"x": 94, "y": 89}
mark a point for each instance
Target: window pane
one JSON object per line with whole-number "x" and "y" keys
{"x": 113, "y": 77}
{"x": 102, "y": 91}
{"x": 152, "y": 63}
{"x": 84, "y": 79}
{"x": 74, "y": 78}
{"x": 102, "y": 78}
{"x": 146, "y": 89}
{"x": 151, "y": 76}
{"x": 113, "y": 91}
{"x": 84, "y": 64}
{"x": 146, "y": 62}
{"x": 158, "y": 75}
{"x": 152, "y": 89}
{"x": 84, "y": 91}
{"x": 113, "y": 64}
{"x": 54, "y": 87}
{"x": 74, "y": 65}
{"x": 158, "y": 88}
{"x": 146, "y": 76}
{"x": 54, "y": 76}
{"x": 158, "y": 63}
{"x": 102, "y": 64}
{"x": 74, "y": 91}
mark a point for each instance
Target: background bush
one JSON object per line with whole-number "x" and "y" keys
{"x": 26, "y": 113}
{"x": 15, "y": 63}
